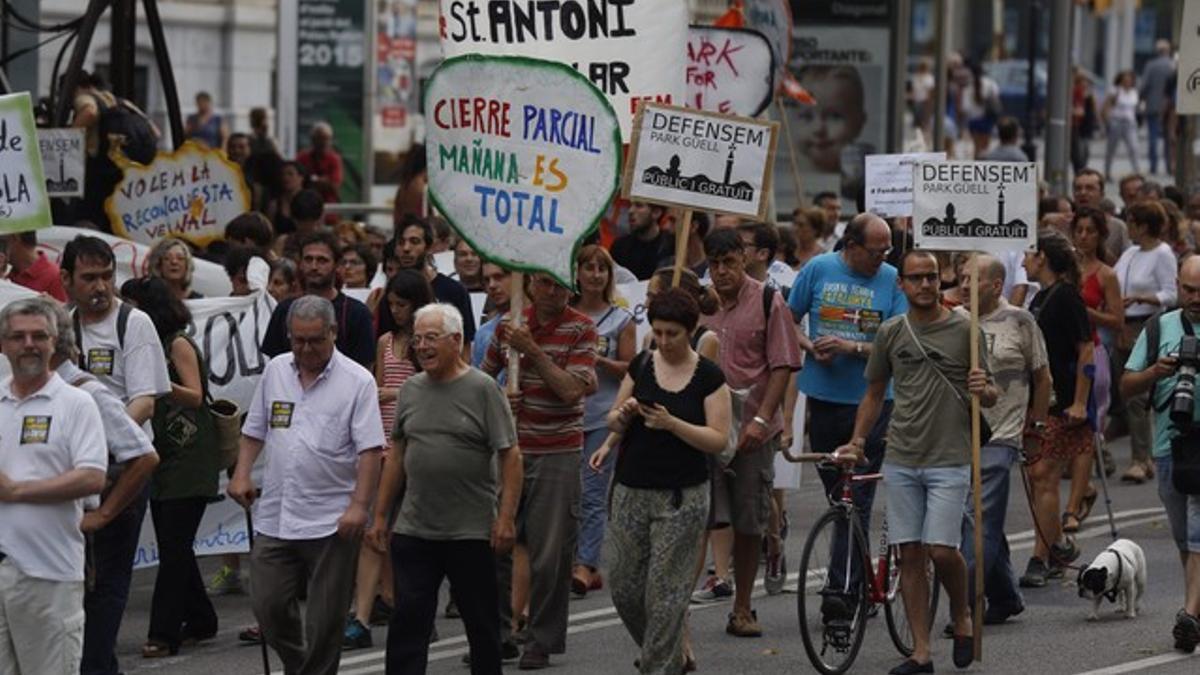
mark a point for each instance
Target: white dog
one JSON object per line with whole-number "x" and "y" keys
{"x": 1119, "y": 571}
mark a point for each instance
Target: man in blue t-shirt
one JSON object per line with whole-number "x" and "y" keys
{"x": 846, "y": 295}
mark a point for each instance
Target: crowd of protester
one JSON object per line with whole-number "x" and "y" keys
{"x": 397, "y": 454}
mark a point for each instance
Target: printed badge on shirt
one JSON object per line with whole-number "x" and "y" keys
{"x": 281, "y": 414}
{"x": 35, "y": 429}
{"x": 100, "y": 360}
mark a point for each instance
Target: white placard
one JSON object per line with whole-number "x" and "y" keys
{"x": 975, "y": 206}
{"x": 699, "y": 160}
{"x": 729, "y": 71}
{"x": 63, "y": 161}
{"x": 524, "y": 157}
{"x": 630, "y": 49}
{"x": 1187, "y": 94}
{"x": 24, "y": 205}
{"x": 890, "y": 182}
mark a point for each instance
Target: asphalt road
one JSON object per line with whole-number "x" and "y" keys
{"x": 1052, "y": 636}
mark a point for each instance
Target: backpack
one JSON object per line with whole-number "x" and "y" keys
{"x": 124, "y": 119}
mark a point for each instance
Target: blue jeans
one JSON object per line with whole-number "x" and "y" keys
{"x": 593, "y": 500}
{"x": 112, "y": 550}
{"x": 999, "y": 581}
{"x": 831, "y": 425}
{"x": 1154, "y": 128}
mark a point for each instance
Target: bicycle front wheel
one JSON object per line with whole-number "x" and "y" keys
{"x": 832, "y": 592}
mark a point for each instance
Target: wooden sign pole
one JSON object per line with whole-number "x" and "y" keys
{"x": 976, "y": 473}
{"x": 787, "y": 137}
{"x": 516, "y": 305}
{"x": 681, "y": 244}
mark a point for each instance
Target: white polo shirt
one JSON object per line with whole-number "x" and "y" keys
{"x": 311, "y": 442}
{"x": 140, "y": 369}
{"x": 42, "y": 436}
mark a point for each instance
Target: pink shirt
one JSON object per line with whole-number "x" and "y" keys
{"x": 751, "y": 347}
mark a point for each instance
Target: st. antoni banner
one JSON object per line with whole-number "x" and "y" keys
{"x": 524, "y": 157}
{"x": 190, "y": 193}
{"x": 700, "y": 160}
{"x": 24, "y": 205}
{"x": 630, "y": 49}
{"x": 975, "y": 206}
{"x": 63, "y": 161}
{"x": 730, "y": 70}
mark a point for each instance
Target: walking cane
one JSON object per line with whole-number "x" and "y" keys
{"x": 1099, "y": 465}
{"x": 262, "y": 638}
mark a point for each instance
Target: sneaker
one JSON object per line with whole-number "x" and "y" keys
{"x": 1035, "y": 574}
{"x": 775, "y": 573}
{"x": 998, "y": 614}
{"x": 1186, "y": 632}
{"x": 251, "y": 634}
{"x": 381, "y": 612}
{"x": 534, "y": 658}
{"x": 715, "y": 589}
{"x": 357, "y": 636}
{"x": 227, "y": 581}
{"x": 834, "y": 607}
{"x": 743, "y": 624}
{"x": 1064, "y": 553}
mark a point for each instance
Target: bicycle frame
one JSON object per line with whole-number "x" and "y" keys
{"x": 877, "y": 579}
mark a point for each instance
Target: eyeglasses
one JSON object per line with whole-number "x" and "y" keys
{"x": 309, "y": 341}
{"x": 876, "y": 252}
{"x": 926, "y": 278}
{"x": 38, "y": 336}
{"x": 428, "y": 338}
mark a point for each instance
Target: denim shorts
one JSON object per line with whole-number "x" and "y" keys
{"x": 1183, "y": 511}
{"x": 925, "y": 504}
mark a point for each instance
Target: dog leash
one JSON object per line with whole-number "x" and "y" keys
{"x": 1036, "y": 525}
{"x": 1112, "y": 595}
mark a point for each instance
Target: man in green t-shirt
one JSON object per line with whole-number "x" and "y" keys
{"x": 1160, "y": 378}
{"x": 925, "y": 353}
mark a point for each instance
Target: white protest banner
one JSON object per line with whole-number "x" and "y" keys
{"x": 1188, "y": 85}
{"x": 890, "y": 182}
{"x": 62, "y": 160}
{"x": 700, "y": 160}
{"x": 975, "y": 206}
{"x": 773, "y": 18}
{"x": 133, "y": 259}
{"x": 729, "y": 71}
{"x": 190, "y": 193}
{"x": 524, "y": 157}
{"x": 630, "y": 49}
{"x": 24, "y": 205}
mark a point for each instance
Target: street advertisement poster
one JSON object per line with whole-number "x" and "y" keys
{"x": 524, "y": 156}
{"x": 63, "y": 161}
{"x": 24, "y": 205}
{"x": 190, "y": 193}
{"x": 729, "y": 70}
{"x": 397, "y": 98}
{"x": 331, "y": 46}
{"x": 630, "y": 49}
{"x": 890, "y": 182}
{"x": 975, "y": 206}
{"x": 700, "y": 160}
{"x": 772, "y": 18}
{"x": 1188, "y": 80}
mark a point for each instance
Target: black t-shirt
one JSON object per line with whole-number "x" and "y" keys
{"x": 642, "y": 257}
{"x": 355, "y": 330}
{"x": 1063, "y": 318}
{"x": 656, "y": 459}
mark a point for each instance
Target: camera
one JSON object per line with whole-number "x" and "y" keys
{"x": 1183, "y": 396}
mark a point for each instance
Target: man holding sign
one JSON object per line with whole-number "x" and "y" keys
{"x": 925, "y": 354}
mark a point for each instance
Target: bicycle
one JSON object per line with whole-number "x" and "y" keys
{"x": 833, "y": 627}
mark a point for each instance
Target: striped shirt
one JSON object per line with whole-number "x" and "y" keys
{"x": 546, "y": 424}
{"x": 396, "y": 371}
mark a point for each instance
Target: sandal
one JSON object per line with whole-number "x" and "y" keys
{"x": 156, "y": 649}
{"x": 1070, "y": 522}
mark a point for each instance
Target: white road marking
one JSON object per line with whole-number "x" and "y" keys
{"x": 1142, "y": 664}
{"x": 453, "y": 647}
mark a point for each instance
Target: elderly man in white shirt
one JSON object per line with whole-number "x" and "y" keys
{"x": 51, "y": 458}
{"x": 315, "y": 418}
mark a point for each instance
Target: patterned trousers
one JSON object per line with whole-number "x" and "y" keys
{"x": 655, "y": 538}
